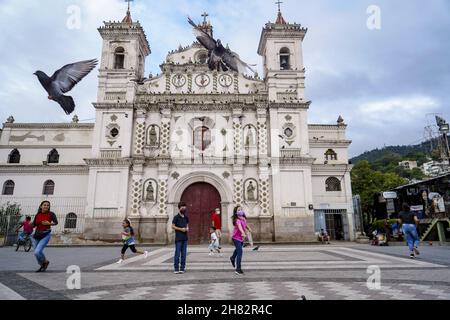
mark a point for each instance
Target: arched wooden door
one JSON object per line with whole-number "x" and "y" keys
{"x": 201, "y": 199}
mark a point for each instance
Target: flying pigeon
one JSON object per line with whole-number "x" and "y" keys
{"x": 63, "y": 80}
{"x": 219, "y": 57}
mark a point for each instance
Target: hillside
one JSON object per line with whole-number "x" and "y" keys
{"x": 414, "y": 152}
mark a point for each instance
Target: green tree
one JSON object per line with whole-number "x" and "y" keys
{"x": 366, "y": 182}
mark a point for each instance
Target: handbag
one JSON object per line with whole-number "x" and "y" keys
{"x": 39, "y": 235}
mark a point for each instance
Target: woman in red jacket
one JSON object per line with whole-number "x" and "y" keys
{"x": 43, "y": 221}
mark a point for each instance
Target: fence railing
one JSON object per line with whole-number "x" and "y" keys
{"x": 70, "y": 212}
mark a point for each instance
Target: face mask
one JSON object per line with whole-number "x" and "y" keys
{"x": 183, "y": 211}
{"x": 240, "y": 213}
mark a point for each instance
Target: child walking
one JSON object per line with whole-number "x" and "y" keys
{"x": 129, "y": 241}
{"x": 214, "y": 244}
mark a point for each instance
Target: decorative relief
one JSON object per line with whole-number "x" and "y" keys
{"x": 150, "y": 191}
{"x": 175, "y": 175}
{"x": 251, "y": 190}
{"x": 136, "y": 196}
{"x": 225, "y": 174}
{"x": 165, "y": 133}
{"x": 178, "y": 80}
{"x": 237, "y": 191}
{"x": 237, "y": 136}
{"x": 225, "y": 80}
{"x": 250, "y": 136}
{"x": 162, "y": 196}
{"x": 262, "y": 136}
{"x": 264, "y": 197}
{"x": 153, "y": 134}
{"x": 202, "y": 80}
{"x": 139, "y": 139}
{"x": 289, "y": 131}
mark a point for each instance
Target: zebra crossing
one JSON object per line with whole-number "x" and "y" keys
{"x": 265, "y": 290}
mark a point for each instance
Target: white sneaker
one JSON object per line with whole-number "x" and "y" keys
{"x": 145, "y": 254}
{"x": 120, "y": 261}
{"x": 210, "y": 254}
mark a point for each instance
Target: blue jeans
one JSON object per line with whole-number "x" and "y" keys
{"x": 180, "y": 249}
{"x": 237, "y": 254}
{"x": 39, "y": 246}
{"x": 412, "y": 238}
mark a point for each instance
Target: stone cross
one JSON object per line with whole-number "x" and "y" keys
{"x": 279, "y": 5}
{"x": 204, "y": 15}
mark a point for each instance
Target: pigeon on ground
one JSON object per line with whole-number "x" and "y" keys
{"x": 219, "y": 57}
{"x": 63, "y": 80}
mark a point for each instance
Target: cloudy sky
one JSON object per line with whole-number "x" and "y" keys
{"x": 386, "y": 83}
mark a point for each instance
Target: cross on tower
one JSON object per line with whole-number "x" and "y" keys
{"x": 279, "y": 5}
{"x": 129, "y": 3}
{"x": 204, "y": 15}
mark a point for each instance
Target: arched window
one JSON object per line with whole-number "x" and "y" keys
{"x": 202, "y": 138}
{"x": 330, "y": 155}
{"x": 53, "y": 156}
{"x": 8, "y": 188}
{"x": 71, "y": 221}
{"x": 285, "y": 57}
{"x": 119, "y": 58}
{"x": 14, "y": 156}
{"x": 49, "y": 187}
{"x": 333, "y": 184}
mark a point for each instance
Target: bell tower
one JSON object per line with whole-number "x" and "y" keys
{"x": 280, "y": 46}
{"x": 125, "y": 48}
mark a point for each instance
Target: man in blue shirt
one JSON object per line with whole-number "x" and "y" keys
{"x": 180, "y": 224}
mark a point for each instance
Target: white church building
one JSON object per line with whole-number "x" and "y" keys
{"x": 211, "y": 139}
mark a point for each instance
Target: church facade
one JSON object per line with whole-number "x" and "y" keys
{"x": 213, "y": 139}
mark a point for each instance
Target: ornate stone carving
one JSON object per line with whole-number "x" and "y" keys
{"x": 153, "y": 133}
{"x": 179, "y": 80}
{"x": 237, "y": 191}
{"x": 202, "y": 80}
{"x": 264, "y": 198}
{"x": 251, "y": 190}
{"x": 135, "y": 192}
{"x": 150, "y": 191}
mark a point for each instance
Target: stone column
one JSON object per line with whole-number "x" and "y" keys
{"x": 139, "y": 133}
{"x": 237, "y": 129}
{"x": 135, "y": 193}
{"x": 165, "y": 132}
{"x": 262, "y": 133}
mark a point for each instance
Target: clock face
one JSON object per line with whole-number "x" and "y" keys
{"x": 202, "y": 80}
{"x": 225, "y": 80}
{"x": 178, "y": 80}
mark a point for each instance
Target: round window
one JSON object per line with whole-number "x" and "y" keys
{"x": 288, "y": 132}
{"x": 114, "y": 132}
{"x": 202, "y": 57}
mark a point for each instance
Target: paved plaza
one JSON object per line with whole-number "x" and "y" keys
{"x": 275, "y": 272}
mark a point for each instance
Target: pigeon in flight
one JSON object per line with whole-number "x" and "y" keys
{"x": 63, "y": 80}
{"x": 219, "y": 58}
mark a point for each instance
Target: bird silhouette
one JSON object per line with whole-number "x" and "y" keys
{"x": 63, "y": 80}
{"x": 219, "y": 57}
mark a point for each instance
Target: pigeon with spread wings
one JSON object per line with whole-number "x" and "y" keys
{"x": 63, "y": 80}
{"x": 219, "y": 58}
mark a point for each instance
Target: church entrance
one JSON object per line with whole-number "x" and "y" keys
{"x": 201, "y": 200}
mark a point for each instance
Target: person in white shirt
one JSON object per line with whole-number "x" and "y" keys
{"x": 214, "y": 244}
